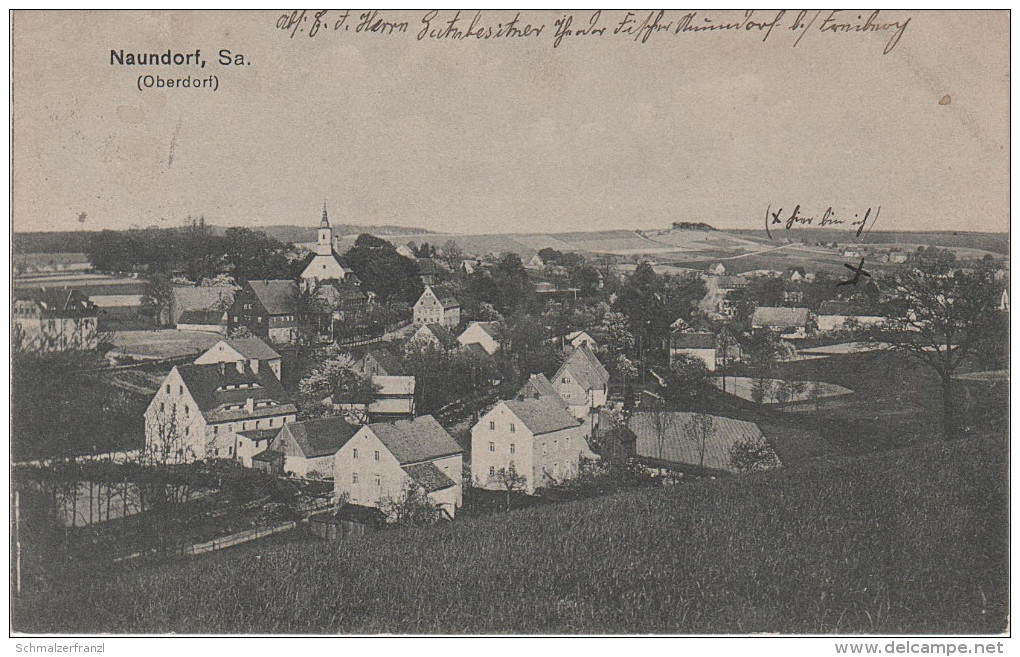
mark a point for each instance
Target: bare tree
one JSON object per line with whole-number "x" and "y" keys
{"x": 510, "y": 480}
{"x": 700, "y": 433}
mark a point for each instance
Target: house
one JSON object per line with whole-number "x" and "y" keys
{"x": 342, "y": 296}
{"x": 582, "y": 382}
{"x": 539, "y": 387}
{"x": 384, "y": 459}
{"x": 324, "y": 264}
{"x": 395, "y": 396}
{"x": 689, "y": 441}
{"x": 833, "y": 315}
{"x": 428, "y": 271}
{"x": 575, "y": 339}
{"x": 209, "y": 321}
{"x": 253, "y": 442}
{"x": 541, "y": 439}
{"x": 469, "y": 266}
{"x": 256, "y": 353}
{"x": 730, "y": 283}
{"x": 310, "y": 447}
{"x": 405, "y": 251}
{"x": 536, "y": 262}
{"x": 55, "y": 319}
{"x": 718, "y": 270}
{"x": 698, "y": 345}
{"x": 436, "y": 335}
{"x": 199, "y": 410}
{"x": 898, "y": 258}
{"x": 481, "y": 333}
{"x": 185, "y": 298}
{"x": 433, "y": 309}
{"x": 267, "y": 309}
{"x": 790, "y": 322}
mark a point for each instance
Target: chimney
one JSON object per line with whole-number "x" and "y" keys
{"x": 249, "y": 405}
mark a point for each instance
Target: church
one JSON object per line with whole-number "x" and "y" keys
{"x": 325, "y": 264}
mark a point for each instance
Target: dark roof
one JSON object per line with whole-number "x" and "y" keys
{"x": 192, "y": 297}
{"x": 208, "y": 317}
{"x": 389, "y": 363}
{"x": 253, "y": 347}
{"x": 417, "y": 440}
{"x": 692, "y": 341}
{"x": 58, "y": 302}
{"x": 261, "y": 434}
{"x": 208, "y": 385}
{"x": 278, "y": 297}
{"x": 668, "y": 437}
{"x": 268, "y": 456}
{"x": 449, "y": 302}
{"x": 731, "y": 282}
{"x": 476, "y": 350}
{"x": 846, "y": 308}
{"x": 539, "y": 386}
{"x": 322, "y": 437}
{"x": 542, "y": 415}
{"x": 780, "y": 317}
{"x": 587, "y": 369}
{"x": 443, "y": 335}
{"x": 429, "y": 477}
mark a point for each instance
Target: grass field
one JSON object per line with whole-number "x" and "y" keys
{"x": 744, "y": 387}
{"x": 909, "y": 541}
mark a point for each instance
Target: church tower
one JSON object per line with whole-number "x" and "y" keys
{"x": 324, "y": 245}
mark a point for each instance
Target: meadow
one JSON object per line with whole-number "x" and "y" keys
{"x": 906, "y": 541}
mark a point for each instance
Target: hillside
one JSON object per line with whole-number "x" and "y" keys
{"x": 908, "y": 541}
{"x": 907, "y": 240}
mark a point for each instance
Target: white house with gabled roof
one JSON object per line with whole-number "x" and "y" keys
{"x": 480, "y": 333}
{"x": 325, "y": 263}
{"x": 383, "y": 459}
{"x": 250, "y": 349}
{"x": 431, "y": 308}
{"x": 583, "y": 382}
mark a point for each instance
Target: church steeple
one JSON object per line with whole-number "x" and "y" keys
{"x": 324, "y": 244}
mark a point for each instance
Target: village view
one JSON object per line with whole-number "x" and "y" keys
{"x": 192, "y": 398}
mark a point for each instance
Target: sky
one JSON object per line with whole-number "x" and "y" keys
{"x": 510, "y": 135}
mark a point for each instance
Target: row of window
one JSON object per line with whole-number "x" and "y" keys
{"x": 173, "y": 408}
{"x": 513, "y": 447}
{"x": 513, "y": 427}
{"x": 356, "y": 453}
{"x": 354, "y": 478}
{"x": 249, "y": 426}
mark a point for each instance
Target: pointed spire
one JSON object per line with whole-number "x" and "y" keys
{"x": 325, "y": 217}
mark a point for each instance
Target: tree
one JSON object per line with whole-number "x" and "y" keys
{"x": 701, "y": 428}
{"x": 764, "y": 350}
{"x": 613, "y": 334}
{"x": 158, "y": 295}
{"x": 333, "y": 385}
{"x": 938, "y": 315}
{"x": 686, "y": 380}
{"x": 510, "y": 480}
{"x": 752, "y": 455}
{"x": 452, "y": 252}
{"x": 514, "y": 290}
{"x": 526, "y": 346}
{"x": 412, "y": 508}
{"x": 384, "y": 271}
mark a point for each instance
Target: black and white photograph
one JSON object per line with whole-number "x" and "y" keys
{"x": 677, "y": 323}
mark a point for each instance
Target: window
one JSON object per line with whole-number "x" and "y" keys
{"x": 564, "y": 380}
{"x": 180, "y": 390}
{"x": 513, "y": 427}
{"x": 492, "y": 426}
{"x": 513, "y": 448}
{"x": 230, "y": 451}
{"x": 492, "y": 471}
{"x": 162, "y": 407}
{"x": 168, "y": 388}
{"x": 354, "y": 478}
{"x": 173, "y": 409}
{"x": 492, "y": 447}
{"x": 355, "y": 452}
{"x": 377, "y": 455}
{"x": 378, "y": 480}
{"x": 215, "y": 430}
{"x": 187, "y": 411}
{"x": 187, "y": 431}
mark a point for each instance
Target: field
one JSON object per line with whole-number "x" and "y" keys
{"x": 744, "y": 388}
{"x": 908, "y": 241}
{"x": 166, "y": 343}
{"x": 854, "y": 546}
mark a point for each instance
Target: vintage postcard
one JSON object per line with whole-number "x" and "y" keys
{"x": 476, "y": 322}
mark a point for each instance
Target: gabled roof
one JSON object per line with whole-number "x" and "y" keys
{"x": 58, "y": 302}
{"x": 322, "y": 437}
{"x": 542, "y": 415}
{"x": 488, "y": 327}
{"x": 206, "y": 317}
{"x": 538, "y": 385}
{"x": 416, "y": 440}
{"x": 586, "y": 368}
{"x": 332, "y": 254}
{"x": 278, "y": 297}
{"x": 844, "y": 308}
{"x": 429, "y": 477}
{"x": 252, "y": 347}
{"x": 218, "y": 386}
{"x": 191, "y": 297}
{"x": 692, "y": 341}
{"x": 449, "y": 303}
{"x": 261, "y": 434}
{"x": 389, "y": 363}
{"x": 731, "y": 282}
{"x": 442, "y": 334}
{"x": 476, "y": 349}
{"x": 780, "y": 317}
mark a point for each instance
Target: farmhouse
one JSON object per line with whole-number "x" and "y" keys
{"x": 250, "y": 350}
{"x": 252, "y": 443}
{"x": 395, "y": 397}
{"x": 199, "y": 410}
{"x": 267, "y": 309}
{"x": 481, "y": 333}
{"x": 675, "y": 439}
{"x": 309, "y": 447}
{"x": 384, "y": 459}
{"x": 191, "y": 298}
{"x": 575, "y": 339}
{"x": 790, "y": 322}
{"x": 698, "y": 345}
{"x": 209, "y": 321}
{"x": 833, "y": 316}
{"x": 536, "y": 435}
{"x": 325, "y": 263}
{"x": 433, "y": 309}
{"x": 582, "y": 382}
{"x": 436, "y": 335}
{"x": 539, "y": 387}
{"x": 55, "y": 319}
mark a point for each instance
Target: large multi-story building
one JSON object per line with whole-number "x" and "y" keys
{"x": 55, "y": 319}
